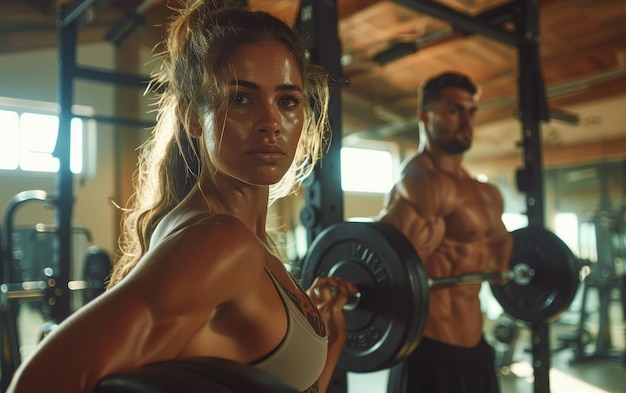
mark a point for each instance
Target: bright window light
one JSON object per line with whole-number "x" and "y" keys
{"x": 38, "y": 134}
{"x": 76, "y": 145}
{"x": 587, "y": 244}
{"x": 28, "y": 140}
{"x": 513, "y": 221}
{"x": 566, "y": 228}
{"x": 366, "y": 170}
{"x": 9, "y": 124}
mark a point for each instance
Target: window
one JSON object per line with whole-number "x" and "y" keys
{"x": 28, "y": 135}
{"x": 513, "y": 221}
{"x": 566, "y": 227}
{"x": 369, "y": 169}
{"x": 588, "y": 247}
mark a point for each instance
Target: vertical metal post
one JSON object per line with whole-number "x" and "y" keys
{"x": 9, "y": 338}
{"x": 64, "y": 198}
{"x": 533, "y": 109}
{"x": 318, "y": 23}
{"x": 622, "y": 220}
{"x": 606, "y": 227}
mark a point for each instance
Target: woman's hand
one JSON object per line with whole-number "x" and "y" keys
{"x": 329, "y": 295}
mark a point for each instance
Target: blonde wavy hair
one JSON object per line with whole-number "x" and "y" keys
{"x": 193, "y": 78}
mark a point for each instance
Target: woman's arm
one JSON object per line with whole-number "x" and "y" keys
{"x": 150, "y": 315}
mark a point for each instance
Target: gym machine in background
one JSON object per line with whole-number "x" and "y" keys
{"x": 605, "y": 279}
{"x": 28, "y": 278}
{"x": 602, "y": 242}
{"x": 52, "y": 285}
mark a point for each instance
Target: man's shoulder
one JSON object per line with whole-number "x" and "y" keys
{"x": 422, "y": 169}
{"x": 417, "y": 165}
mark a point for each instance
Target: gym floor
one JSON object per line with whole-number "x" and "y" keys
{"x": 586, "y": 370}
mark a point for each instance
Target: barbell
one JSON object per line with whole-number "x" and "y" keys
{"x": 387, "y": 317}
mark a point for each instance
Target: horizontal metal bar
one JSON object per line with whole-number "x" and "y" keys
{"x": 469, "y": 279}
{"x": 75, "y": 10}
{"x": 117, "y": 120}
{"x": 120, "y": 78}
{"x": 460, "y": 20}
{"x": 521, "y": 274}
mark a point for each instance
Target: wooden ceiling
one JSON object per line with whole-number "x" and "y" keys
{"x": 582, "y": 55}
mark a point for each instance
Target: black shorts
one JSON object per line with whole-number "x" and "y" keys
{"x": 436, "y": 367}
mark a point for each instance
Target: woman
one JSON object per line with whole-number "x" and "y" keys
{"x": 199, "y": 274}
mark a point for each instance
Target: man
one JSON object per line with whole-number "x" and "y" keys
{"x": 455, "y": 224}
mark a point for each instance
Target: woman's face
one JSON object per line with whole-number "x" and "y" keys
{"x": 255, "y": 139}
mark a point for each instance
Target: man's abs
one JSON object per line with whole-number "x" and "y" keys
{"x": 455, "y": 316}
{"x": 455, "y": 313}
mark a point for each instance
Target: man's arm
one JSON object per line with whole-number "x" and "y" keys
{"x": 417, "y": 208}
{"x": 501, "y": 244}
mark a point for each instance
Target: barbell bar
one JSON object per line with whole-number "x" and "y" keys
{"x": 522, "y": 274}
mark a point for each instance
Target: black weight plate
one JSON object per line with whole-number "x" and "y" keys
{"x": 192, "y": 375}
{"x": 555, "y": 281}
{"x": 390, "y": 318}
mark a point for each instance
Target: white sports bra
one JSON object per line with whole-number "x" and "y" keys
{"x": 300, "y": 357}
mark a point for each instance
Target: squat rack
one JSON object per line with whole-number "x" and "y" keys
{"x": 323, "y": 196}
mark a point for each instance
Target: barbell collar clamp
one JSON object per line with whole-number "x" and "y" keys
{"x": 523, "y": 274}
{"x": 353, "y": 301}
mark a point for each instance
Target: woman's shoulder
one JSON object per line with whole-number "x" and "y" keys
{"x": 199, "y": 223}
{"x": 217, "y": 234}
{"x": 209, "y": 246}
{"x": 222, "y": 227}
{"x": 211, "y": 252}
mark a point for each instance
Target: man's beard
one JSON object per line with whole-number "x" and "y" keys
{"x": 453, "y": 146}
